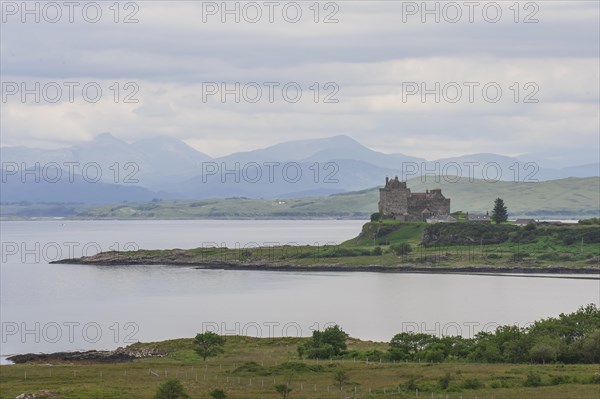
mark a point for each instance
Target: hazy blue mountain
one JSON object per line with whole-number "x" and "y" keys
{"x": 320, "y": 150}
{"x": 152, "y": 162}
{"x": 328, "y": 177}
{"x": 562, "y": 158}
{"x": 15, "y": 189}
{"x": 171, "y": 169}
{"x": 493, "y": 167}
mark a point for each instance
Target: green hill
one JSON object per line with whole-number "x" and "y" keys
{"x": 565, "y": 198}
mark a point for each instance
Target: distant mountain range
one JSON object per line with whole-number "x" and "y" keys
{"x": 168, "y": 168}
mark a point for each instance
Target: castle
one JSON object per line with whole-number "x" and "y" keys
{"x": 396, "y": 200}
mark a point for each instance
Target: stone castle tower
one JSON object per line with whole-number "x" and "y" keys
{"x": 396, "y": 200}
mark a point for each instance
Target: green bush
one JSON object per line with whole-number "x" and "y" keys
{"x": 560, "y": 379}
{"x": 472, "y": 383}
{"x": 533, "y": 380}
{"x": 251, "y": 367}
{"x": 411, "y": 384}
{"x": 591, "y": 221}
{"x": 444, "y": 381}
{"x": 401, "y": 249}
{"x": 171, "y": 389}
{"x": 218, "y": 394}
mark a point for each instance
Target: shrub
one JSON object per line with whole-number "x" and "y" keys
{"x": 251, "y": 367}
{"x": 444, "y": 381}
{"x": 377, "y": 251}
{"x": 283, "y": 389}
{"x": 171, "y": 389}
{"x": 401, "y": 249}
{"x": 533, "y": 380}
{"x": 411, "y": 384}
{"x": 472, "y": 383}
{"x": 218, "y": 394}
{"x": 559, "y": 379}
{"x": 375, "y": 217}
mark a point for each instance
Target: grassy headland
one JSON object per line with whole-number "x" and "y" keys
{"x": 389, "y": 245}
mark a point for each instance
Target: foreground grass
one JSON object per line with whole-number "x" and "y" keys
{"x": 250, "y": 367}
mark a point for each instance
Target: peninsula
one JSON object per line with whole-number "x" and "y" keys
{"x": 388, "y": 245}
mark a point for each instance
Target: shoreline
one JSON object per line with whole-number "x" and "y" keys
{"x": 558, "y": 271}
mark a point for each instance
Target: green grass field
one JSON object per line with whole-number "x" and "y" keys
{"x": 250, "y": 367}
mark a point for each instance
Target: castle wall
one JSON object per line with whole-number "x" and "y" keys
{"x": 436, "y": 205}
{"x": 393, "y": 202}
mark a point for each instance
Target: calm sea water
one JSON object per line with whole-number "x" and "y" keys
{"x": 47, "y": 308}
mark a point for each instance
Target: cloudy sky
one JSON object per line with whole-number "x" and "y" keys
{"x": 490, "y": 77}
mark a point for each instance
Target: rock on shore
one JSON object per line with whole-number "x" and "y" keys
{"x": 118, "y": 355}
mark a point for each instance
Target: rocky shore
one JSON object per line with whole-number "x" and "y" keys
{"x": 118, "y": 355}
{"x": 184, "y": 258}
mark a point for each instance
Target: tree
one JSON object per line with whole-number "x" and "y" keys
{"x": 406, "y": 345}
{"x": 590, "y": 348}
{"x": 544, "y": 350}
{"x": 324, "y": 344}
{"x": 218, "y": 394}
{"x": 283, "y": 389}
{"x": 499, "y": 214}
{"x": 210, "y": 344}
{"x": 340, "y": 379}
{"x": 172, "y": 389}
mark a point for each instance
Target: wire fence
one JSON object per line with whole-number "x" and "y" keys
{"x": 217, "y": 377}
